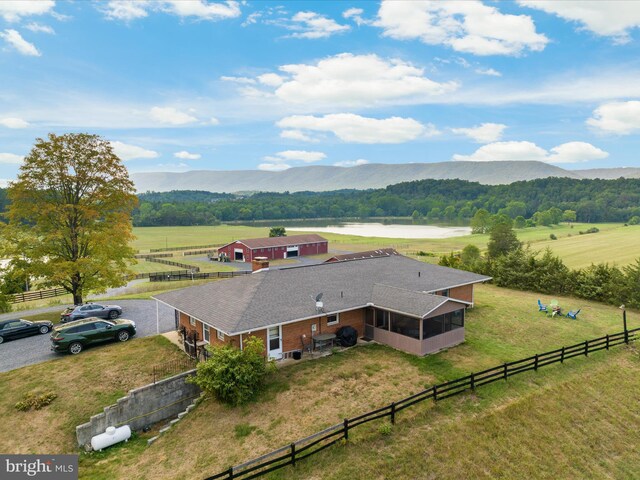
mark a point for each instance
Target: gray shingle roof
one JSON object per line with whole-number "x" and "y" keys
{"x": 271, "y": 297}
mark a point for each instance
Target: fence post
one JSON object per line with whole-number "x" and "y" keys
{"x": 230, "y": 473}
{"x": 40, "y": 294}
{"x": 535, "y": 364}
{"x": 562, "y": 355}
{"x": 586, "y": 348}
{"x": 435, "y": 393}
{"x": 346, "y": 429}
{"x": 505, "y": 371}
{"x": 607, "y": 341}
{"x": 293, "y": 454}
{"x": 393, "y": 413}
{"x": 473, "y": 382}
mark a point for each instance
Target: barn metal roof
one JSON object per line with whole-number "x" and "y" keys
{"x": 267, "y": 242}
{"x": 272, "y": 297}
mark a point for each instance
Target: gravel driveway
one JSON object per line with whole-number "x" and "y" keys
{"x": 36, "y": 349}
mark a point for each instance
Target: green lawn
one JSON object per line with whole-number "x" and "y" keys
{"x": 84, "y": 385}
{"x": 577, "y": 250}
{"x": 505, "y": 325}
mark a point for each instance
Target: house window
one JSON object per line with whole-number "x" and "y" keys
{"x": 205, "y": 331}
{"x": 192, "y": 321}
{"x": 382, "y": 319}
{"x": 220, "y": 335}
{"x": 333, "y": 319}
{"x": 444, "y": 293}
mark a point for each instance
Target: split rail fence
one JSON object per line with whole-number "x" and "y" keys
{"x": 176, "y": 276}
{"x": 172, "y": 263}
{"x": 296, "y": 451}
{"x": 36, "y": 295}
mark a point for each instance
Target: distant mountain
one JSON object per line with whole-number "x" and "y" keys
{"x": 609, "y": 173}
{"x": 323, "y": 178}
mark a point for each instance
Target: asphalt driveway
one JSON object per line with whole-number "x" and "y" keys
{"x": 27, "y": 351}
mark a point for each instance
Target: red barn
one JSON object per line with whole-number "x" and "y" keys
{"x": 275, "y": 247}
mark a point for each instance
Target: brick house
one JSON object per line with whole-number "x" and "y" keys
{"x": 275, "y": 247}
{"x": 407, "y": 304}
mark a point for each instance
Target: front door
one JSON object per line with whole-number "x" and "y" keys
{"x": 274, "y": 342}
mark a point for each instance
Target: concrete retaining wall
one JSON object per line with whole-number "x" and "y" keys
{"x": 143, "y": 406}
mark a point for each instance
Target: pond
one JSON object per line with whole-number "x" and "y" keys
{"x": 387, "y": 231}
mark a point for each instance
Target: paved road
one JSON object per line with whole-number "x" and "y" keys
{"x": 36, "y": 349}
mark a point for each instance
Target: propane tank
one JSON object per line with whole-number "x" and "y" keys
{"x": 111, "y": 436}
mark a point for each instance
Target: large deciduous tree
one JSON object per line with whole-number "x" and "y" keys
{"x": 70, "y": 214}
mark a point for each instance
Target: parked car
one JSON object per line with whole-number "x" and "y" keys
{"x": 74, "y": 336}
{"x": 18, "y": 328}
{"x": 87, "y": 310}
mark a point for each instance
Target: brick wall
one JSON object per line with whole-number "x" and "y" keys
{"x": 292, "y": 332}
{"x": 462, "y": 293}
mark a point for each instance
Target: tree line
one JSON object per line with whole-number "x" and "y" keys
{"x": 513, "y": 266}
{"x": 423, "y": 200}
{"x": 540, "y": 201}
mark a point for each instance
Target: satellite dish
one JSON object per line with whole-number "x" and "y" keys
{"x": 318, "y": 297}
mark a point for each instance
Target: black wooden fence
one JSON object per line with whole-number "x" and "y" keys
{"x": 191, "y": 247}
{"x": 171, "y": 262}
{"x": 138, "y": 276}
{"x": 153, "y": 255}
{"x": 36, "y": 295}
{"x": 206, "y": 251}
{"x": 308, "y": 446}
{"x": 176, "y": 276}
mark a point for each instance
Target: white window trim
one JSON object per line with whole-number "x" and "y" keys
{"x": 192, "y": 321}
{"x": 220, "y": 335}
{"x": 206, "y": 334}
{"x": 337, "y": 321}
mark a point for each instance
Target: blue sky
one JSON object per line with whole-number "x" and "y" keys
{"x": 195, "y": 84}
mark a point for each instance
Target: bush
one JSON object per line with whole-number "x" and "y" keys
{"x": 234, "y": 376}
{"x": 36, "y": 401}
{"x": 553, "y": 236}
{"x": 385, "y": 429}
{"x": 589, "y": 230}
{"x": 635, "y": 220}
{"x": 5, "y": 306}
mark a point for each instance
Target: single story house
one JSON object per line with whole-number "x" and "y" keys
{"x": 382, "y": 252}
{"x": 407, "y": 304}
{"x": 274, "y": 247}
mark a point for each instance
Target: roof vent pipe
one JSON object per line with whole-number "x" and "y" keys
{"x": 418, "y": 274}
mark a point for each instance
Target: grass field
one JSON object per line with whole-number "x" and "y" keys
{"x": 84, "y": 386}
{"x": 577, "y": 250}
{"x": 504, "y": 326}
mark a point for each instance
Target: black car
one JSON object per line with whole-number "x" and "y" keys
{"x": 87, "y": 310}
{"x": 18, "y": 328}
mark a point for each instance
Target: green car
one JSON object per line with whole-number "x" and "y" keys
{"x": 73, "y": 337}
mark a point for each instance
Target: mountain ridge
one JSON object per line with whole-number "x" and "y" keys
{"x": 372, "y": 175}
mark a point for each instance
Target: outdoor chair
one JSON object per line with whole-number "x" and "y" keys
{"x": 541, "y": 307}
{"x": 573, "y": 314}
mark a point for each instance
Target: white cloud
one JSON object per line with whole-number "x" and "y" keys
{"x": 574, "y": 152}
{"x": 466, "y": 26}
{"x": 314, "y": 25}
{"x": 298, "y": 135}
{"x": 351, "y": 163}
{"x": 184, "y": 155}
{"x": 11, "y": 158}
{"x": 484, "y": 133}
{"x": 488, "y": 71}
{"x": 617, "y": 117}
{"x": 348, "y": 80}
{"x": 128, "y": 10}
{"x": 251, "y": 19}
{"x": 296, "y": 156}
{"x": 131, "y": 152}
{"x": 4, "y": 182}
{"x": 273, "y": 167}
{"x": 214, "y": 121}
{"x": 171, "y": 116}
{"x": 13, "y": 38}
{"x": 37, "y": 28}
{"x": 356, "y": 15}
{"x": 270, "y": 79}
{"x": 357, "y": 129}
{"x": 571, "y": 152}
{"x": 12, "y": 11}
{"x": 613, "y": 18}
{"x": 204, "y": 10}
{"x": 241, "y": 80}
{"x": 12, "y": 122}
